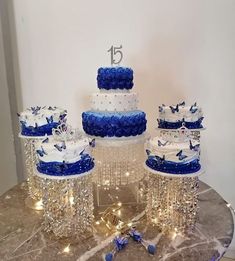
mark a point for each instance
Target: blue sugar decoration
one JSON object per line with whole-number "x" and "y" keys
{"x": 115, "y": 78}
{"x": 114, "y": 124}
{"x": 46, "y": 140}
{"x": 109, "y": 257}
{"x": 85, "y": 164}
{"x": 180, "y": 155}
{"x": 176, "y": 109}
{"x": 173, "y": 167}
{"x": 120, "y": 242}
{"x": 136, "y": 235}
{"x": 182, "y": 103}
{"x": 162, "y": 124}
{"x": 92, "y": 143}
{"x": 152, "y": 249}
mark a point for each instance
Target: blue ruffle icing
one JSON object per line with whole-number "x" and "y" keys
{"x": 117, "y": 124}
{"x": 173, "y": 167}
{"x": 64, "y": 169}
{"x": 176, "y": 125}
{"x": 38, "y": 131}
{"x": 115, "y": 78}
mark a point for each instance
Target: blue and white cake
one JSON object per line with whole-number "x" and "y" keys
{"x": 39, "y": 121}
{"x": 176, "y": 116}
{"x": 64, "y": 158}
{"x": 173, "y": 157}
{"x": 114, "y": 110}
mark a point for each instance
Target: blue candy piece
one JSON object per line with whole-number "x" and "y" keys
{"x": 152, "y": 249}
{"x": 136, "y": 235}
{"x": 109, "y": 257}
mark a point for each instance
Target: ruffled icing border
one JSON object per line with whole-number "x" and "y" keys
{"x": 115, "y": 78}
{"x": 162, "y": 124}
{"x": 174, "y": 167}
{"x": 114, "y": 124}
{"x": 38, "y": 131}
{"x": 66, "y": 169}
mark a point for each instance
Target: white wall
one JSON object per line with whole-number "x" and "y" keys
{"x": 180, "y": 50}
{"x": 8, "y": 176}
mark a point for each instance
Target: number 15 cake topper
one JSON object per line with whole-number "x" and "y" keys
{"x": 116, "y": 54}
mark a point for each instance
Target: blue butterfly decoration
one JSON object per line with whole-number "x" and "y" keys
{"x": 51, "y": 108}
{"x": 161, "y": 144}
{"x": 176, "y": 109}
{"x": 23, "y": 123}
{"x": 160, "y": 108}
{"x": 50, "y": 119}
{"x": 41, "y": 152}
{"x": 195, "y": 147}
{"x": 18, "y": 114}
{"x": 92, "y": 143}
{"x": 159, "y": 159}
{"x": 35, "y": 110}
{"x": 46, "y": 140}
{"x": 60, "y": 148}
{"x": 62, "y": 116}
{"x": 181, "y": 156}
{"x": 182, "y": 103}
{"x": 36, "y": 125}
{"x": 193, "y": 108}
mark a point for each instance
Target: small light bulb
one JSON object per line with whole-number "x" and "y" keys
{"x": 119, "y": 204}
{"x": 129, "y": 224}
{"x": 127, "y": 174}
{"x": 71, "y": 200}
{"x": 67, "y": 249}
{"x": 228, "y": 205}
{"x": 97, "y": 222}
{"x": 39, "y": 205}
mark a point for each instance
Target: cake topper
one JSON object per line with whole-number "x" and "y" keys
{"x": 115, "y": 51}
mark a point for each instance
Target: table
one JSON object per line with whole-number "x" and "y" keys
{"x": 22, "y": 238}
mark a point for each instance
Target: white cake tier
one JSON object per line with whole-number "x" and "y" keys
{"x": 52, "y": 150}
{"x": 114, "y": 101}
{"x": 39, "y": 116}
{"x": 160, "y": 148}
{"x": 184, "y": 112}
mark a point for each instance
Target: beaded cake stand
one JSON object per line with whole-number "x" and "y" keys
{"x": 119, "y": 168}
{"x": 34, "y": 199}
{"x": 22, "y": 238}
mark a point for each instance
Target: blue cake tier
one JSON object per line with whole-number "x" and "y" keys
{"x": 65, "y": 169}
{"x": 174, "y": 167}
{"x": 110, "y": 78}
{"x": 178, "y": 124}
{"x": 38, "y": 130}
{"x": 114, "y": 124}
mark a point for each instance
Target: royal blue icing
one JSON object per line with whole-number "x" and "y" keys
{"x": 115, "y": 78}
{"x": 173, "y": 167}
{"x": 38, "y": 130}
{"x": 115, "y": 124}
{"x": 178, "y": 124}
{"x": 65, "y": 169}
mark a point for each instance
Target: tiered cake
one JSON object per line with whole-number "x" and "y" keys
{"x": 118, "y": 125}
{"x": 173, "y": 166}
{"x": 36, "y": 123}
{"x": 114, "y": 110}
{"x": 39, "y": 121}
{"x": 64, "y": 168}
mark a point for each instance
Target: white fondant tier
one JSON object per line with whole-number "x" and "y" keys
{"x": 184, "y": 112}
{"x": 58, "y": 151}
{"x": 114, "y": 101}
{"x": 41, "y": 115}
{"x": 160, "y": 148}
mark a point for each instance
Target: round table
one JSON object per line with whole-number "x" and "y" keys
{"x": 22, "y": 237}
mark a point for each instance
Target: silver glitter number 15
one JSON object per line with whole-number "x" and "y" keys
{"x": 116, "y": 54}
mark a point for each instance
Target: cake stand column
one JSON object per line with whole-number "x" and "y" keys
{"x": 119, "y": 170}
{"x": 68, "y": 204}
{"x": 34, "y": 199}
